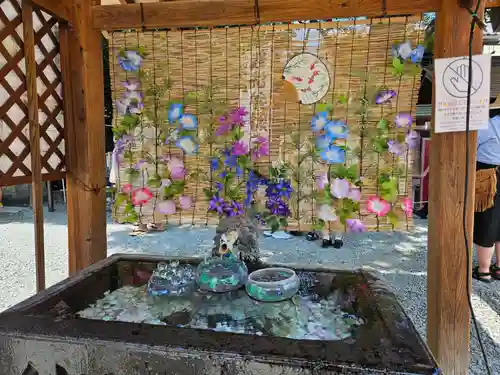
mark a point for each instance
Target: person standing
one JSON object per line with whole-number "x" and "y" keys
{"x": 487, "y": 199}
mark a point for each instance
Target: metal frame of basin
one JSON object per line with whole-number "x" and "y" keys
{"x": 43, "y": 335}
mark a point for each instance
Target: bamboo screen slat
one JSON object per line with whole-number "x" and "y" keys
{"x": 243, "y": 66}
{"x": 15, "y": 162}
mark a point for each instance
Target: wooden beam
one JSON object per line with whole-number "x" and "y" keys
{"x": 492, "y": 3}
{"x": 82, "y": 68}
{"x": 62, "y": 9}
{"x": 188, "y": 13}
{"x": 34, "y": 134}
{"x": 448, "y": 315}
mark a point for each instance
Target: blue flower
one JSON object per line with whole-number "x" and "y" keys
{"x": 130, "y": 61}
{"x": 333, "y": 154}
{"x": 214, "y": 164}
{"x": 284, "y": 189}
{"x": 323, "y": 141}
{"x": 336, "y": 129}
{"x": 188, "y": 122}
{"x": 417, "y": 54}
{"x": 187, "y": 144}
{"x": 219, "y": 186}
{"x": 319, "y": 121}
{"x": 175, "y": 112}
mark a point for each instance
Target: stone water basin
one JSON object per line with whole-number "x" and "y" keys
{"x": 103, "y": 322}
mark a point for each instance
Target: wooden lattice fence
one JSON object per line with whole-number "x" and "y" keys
{"x": 15, "y": 163}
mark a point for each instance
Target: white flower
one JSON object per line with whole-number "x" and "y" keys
{"x": 405, "y": 50}
{"x": 327, "y": 213}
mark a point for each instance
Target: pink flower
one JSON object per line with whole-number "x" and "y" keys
{"x": 239, "y": 148}
{"x": 185, "y": 202}
{"x": 127, "y": 188}
{"x": 141, "y": 196}
{"x": 166, "y": 207}
{"x": 322, "y": 180}
{"x": 340, "y": 188}
{"x": 355, "y": 225}
{"x": 260, "y": 147}
{"x": 408, "y": 206}
{"x": 354, "y": 194}
{"x": 327, "y": 213}
{"x": 176, "y": 169}
{"x": 378, "y": 206}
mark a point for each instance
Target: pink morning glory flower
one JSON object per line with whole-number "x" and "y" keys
{"x": 166, "y": 207}
{"x": 355, "y": 225}
{"x": 408, "y": 206}
{"x": 127, "y": 188}
{"x": 176, "y": 168}
{"x": 327, "y": 213}
{"x": 378, "y": 206}
{"x": 403, "y": 120}
{"x": 412, "y": 139}
{"x": 141, "y": 196}
{"x": 354, "y": 194}
{"x": 339, "y": 188}
{"x": 322, "y": 180}
{"x": 260, "y": 147}
{"x": 239, "y": 148}
{"x": 319, "y": 121}
{"x": 185, "y": 202}
{"x": 396, "y": 148}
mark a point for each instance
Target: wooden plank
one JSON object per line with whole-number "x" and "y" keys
{"x": 492, "y": 3}
{"x": 81, "y": 63}
{"x": 448, "y": 323}
{"x": 61, "y": 9}
{"x": 189, "y": 13}
{"x": 34, "y": 134}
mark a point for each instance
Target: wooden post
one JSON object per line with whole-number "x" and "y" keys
{"x": 448, "y": 311}
{"x": 82, "y": 72}
{"x": 34, "y": 134}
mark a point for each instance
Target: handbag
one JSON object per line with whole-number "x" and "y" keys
{"x": 486, "y": 189}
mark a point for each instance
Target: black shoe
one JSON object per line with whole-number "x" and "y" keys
{"x": 327, "y": 242}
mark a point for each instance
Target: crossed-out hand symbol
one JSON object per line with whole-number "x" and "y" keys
{"x": 461, "y": 80}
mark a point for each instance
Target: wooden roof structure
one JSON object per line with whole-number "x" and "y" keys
{"x": 82, "y": 22}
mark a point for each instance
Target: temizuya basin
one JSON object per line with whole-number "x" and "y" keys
{"x": 102, "y": 321}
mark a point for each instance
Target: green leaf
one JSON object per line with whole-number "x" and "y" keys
{"x": 318, "y": 224}
{"x": 132, "y": 172}
{"x": 208, "y": 193}
{"x": 393, "y": 218}
{"x": 383, "y": 124}
{"x": 323, "y": 107}
{"x": 343, "y": 99}
{"x": 154, "y": 181}
{"x": 398, "y": 68}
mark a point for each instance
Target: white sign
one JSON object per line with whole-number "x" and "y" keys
{"x": 452, "y": 80}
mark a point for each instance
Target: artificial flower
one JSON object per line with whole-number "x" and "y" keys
{"x": 405, "y": 50}
{"x": 396, "y": 148}
{"x": 127, "y": 188}
{"x": 187, "y": 144}
{"x": 336, "y": 129}
{"x": 175, "y": 112}
{"x": 319, "y": 121}
{"x": 216, "y": 204}
{"x": 185, "y": 202}
{"x": 239, "y": 148}
{"x": 188, "y": 122}
{"x": 333, "y": 154}
{"x": 407, "y": 206}
{"x": 339, "y": 188}
{"x": 260, "y": 147}
{"x": 130, "y": 61}
{"x": 141, "y": 196}
{"x": 323, "y": 141}
{"x": 417, "y": 54}
{"x": 233, "y": 209}
{"x": 378, "y": 206}
{"x": 412, "y": 139}
{"x": 166, "y": 207}
{"x": 403, "y": 120}
{"x": 355, "y": 225}
{"x": 166, "y": 182}
{"x": 385, "y": 96}
{"x": 327, "y": 213}
{"x": 354, "y": 194}
{"x": 322, "y": 180}
{"x": 132, "y": 84}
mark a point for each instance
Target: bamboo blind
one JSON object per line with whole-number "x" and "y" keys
{"x": 244, "y": 66}
{"x": 15, "y": 163}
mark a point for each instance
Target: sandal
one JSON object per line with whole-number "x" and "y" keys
{"x": 481, "y": 276}
{"x": 495, "y": 272}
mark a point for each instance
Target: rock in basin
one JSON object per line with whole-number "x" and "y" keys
{"x": 50, "y": 333}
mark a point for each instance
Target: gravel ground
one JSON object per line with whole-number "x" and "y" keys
{"x": 399, "y": 258}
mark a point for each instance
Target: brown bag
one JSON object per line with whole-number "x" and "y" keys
{"x": 486, "y": 189}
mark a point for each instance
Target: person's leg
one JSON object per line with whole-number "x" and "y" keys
{"x": 484, "y": 256}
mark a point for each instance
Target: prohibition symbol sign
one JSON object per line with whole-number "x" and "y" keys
{"x": 456, "y": 77}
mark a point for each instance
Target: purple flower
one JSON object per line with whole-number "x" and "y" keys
{"x": 417, "y": 54}
{"x": 166, "y": 207}
{"x": 322, "y": 180}
{"x": 339, "y": 188}
{"x": 278, "y": 207}
{"x": 216, "y": 204}
{"x": 385, "y": 96}
{"x": 219, "y": 186}
{"x": 284, "y": 189}
{"x": 214, "y": 164}
{"x": 354, "y": 194}
{"x": 260, "y": 147}
{"x": 412, "y": 139}
{"x": 272, "y": 190}
{"x": 224, "y": 127}
{"x": 132, "y": 84}
{"x": 130, "y": 61}
{"x": 233, "y": 209}
{"x": 403, "y": 120}
{"x": 396, "y": 148}
{"x": 355, "y": 225}
{"x": 239, "y": 148}
{"x": 185, "y": 202}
